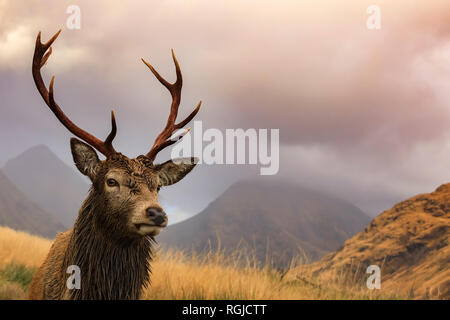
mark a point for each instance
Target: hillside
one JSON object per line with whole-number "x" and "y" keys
{"x": 18, "y": 212}
{"x": 410, "y": 242}
{"x": 277, "y": 220}
{"x": 39, "y": 166}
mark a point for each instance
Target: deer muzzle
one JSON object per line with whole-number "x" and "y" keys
{"x": 157, "y": 216}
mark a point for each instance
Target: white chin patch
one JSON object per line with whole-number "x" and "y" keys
{"x": 149, "y": 230}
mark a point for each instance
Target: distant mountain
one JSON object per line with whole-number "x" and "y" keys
{"x": 20, "y": 213}
{"x": 272, "y": 220}
{"x": 410, "y": 243}
{"x": 49, "y": 182}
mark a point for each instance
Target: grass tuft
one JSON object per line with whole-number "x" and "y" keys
{"x": 17, "y": 273}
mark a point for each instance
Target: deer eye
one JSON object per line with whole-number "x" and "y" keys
{"x": 112, "y": 183}
{"x": 157, "y": 189}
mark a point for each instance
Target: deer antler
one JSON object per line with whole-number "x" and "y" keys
{"x": 163, "y": 141}
{"x": 39, "y": 60}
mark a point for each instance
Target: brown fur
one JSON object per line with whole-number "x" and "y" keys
{"x": 112, "y": 256}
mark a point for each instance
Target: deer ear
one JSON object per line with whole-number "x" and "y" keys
{"x": 85, "y": 158}
{"x": 172, "y": 171}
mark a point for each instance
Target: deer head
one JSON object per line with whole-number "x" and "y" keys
{"x": 126, "y": 188}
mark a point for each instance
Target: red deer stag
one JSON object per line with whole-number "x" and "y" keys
{"x": 111, "y": 240}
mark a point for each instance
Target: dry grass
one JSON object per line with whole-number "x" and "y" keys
{"x": 216, "y": 276}
{"x": 22, "y": 248}
{"x": 177, "y": 276}
{"x": 11, "y": 291}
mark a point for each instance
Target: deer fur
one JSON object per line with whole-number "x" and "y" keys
{"x": 111, "y": 250}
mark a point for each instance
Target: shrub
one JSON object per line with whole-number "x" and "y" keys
{"x": 17, "y": 273}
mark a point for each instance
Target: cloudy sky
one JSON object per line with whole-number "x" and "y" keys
{"x": 363, "y": 114}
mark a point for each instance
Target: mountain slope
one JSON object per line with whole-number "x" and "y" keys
{"x": 275, "y": 219}
{"x": 410, "y": 243}
{"x": 49, "y": 182}
{"x": 18, "y": 212}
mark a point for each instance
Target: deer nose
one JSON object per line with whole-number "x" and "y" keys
{"x": 156, "y": 215}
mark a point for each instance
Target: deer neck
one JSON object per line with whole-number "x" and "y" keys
{"x": 111, "y": 268}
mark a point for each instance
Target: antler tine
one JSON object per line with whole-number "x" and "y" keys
{"x": 112, "y": 134}
{"x": 39, "y": 59}
{"x": 163, "y": 141}
{"x": 189, "y": 117}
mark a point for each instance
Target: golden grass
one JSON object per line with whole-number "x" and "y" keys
{"x": 217, "y": 276}
{"x": 22, "y": 248}
{"x": 11, "y": 291}
{"x": 177, "y": 276}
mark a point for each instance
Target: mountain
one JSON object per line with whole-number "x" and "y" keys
{"x": 271, "y": 220}
{"x": 49, "y": 182}
{"x": 18, "y": 212}
{"x": 410, "y": 243}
